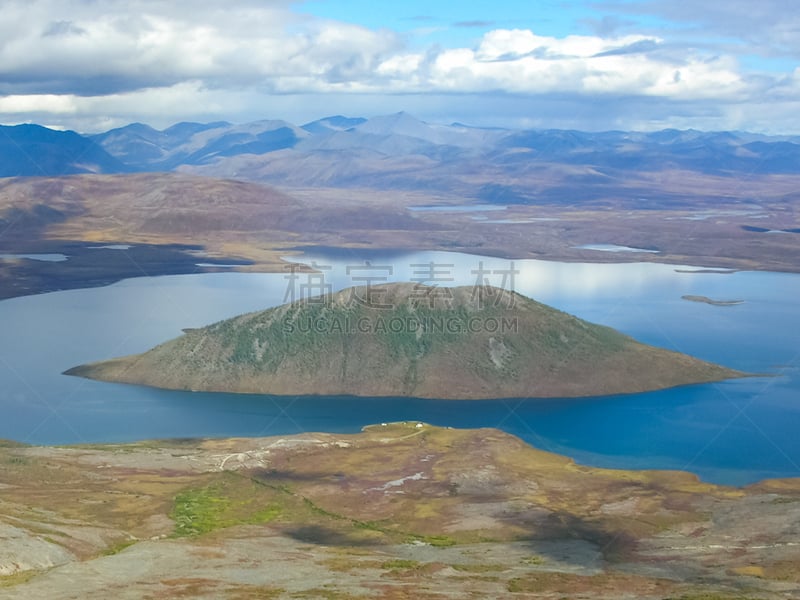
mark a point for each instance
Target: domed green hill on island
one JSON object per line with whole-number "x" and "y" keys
{"x": 403, "y": 339}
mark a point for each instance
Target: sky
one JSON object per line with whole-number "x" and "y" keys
{"x": 593, "y": 65}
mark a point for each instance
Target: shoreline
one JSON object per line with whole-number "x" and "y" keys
{"x": 416, "y": 427}
{"x": 92, "y": 264}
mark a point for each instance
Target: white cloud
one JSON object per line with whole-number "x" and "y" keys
{"x": 518, "y": 61}
{"x": 765, "y": 27}
{"x": 146, "y": 44}
{"x": 41, "y": 103}
{"x": 85, "y": 64}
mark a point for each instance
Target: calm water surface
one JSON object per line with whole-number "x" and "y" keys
{"x": 39, "y": 257}
{"x": 733, "y": 432}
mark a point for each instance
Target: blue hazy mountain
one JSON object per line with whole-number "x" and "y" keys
{"x": 331, "y": 124}
{"x": 33, "y": 150}
{"x": 140, "y": 145}
{"x": 147, "y": 149}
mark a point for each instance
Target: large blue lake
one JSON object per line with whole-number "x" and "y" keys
{"x": 733, "y": 432}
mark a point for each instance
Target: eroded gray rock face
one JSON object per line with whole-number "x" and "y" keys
{"x": 21, "y": 550}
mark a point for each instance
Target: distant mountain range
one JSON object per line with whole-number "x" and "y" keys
{"x": 399, "y": 152}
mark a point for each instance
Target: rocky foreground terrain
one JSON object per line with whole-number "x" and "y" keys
{"x": 398, "y": 511}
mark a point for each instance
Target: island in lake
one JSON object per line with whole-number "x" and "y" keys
{"x": 412, "y": 340}
{"x": 711, "y": 301}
